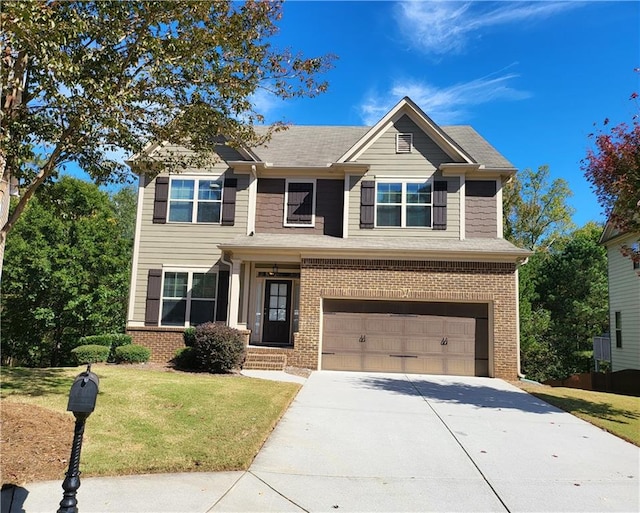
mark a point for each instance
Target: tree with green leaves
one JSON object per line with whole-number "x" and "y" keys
{"x": 564, "y": 302}
{"x": 613, "y": 169}
{"x": 536, "y": 212}
{"x": 86, "y": 81}
{"x": 67, "y": 268}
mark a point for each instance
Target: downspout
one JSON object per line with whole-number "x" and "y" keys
{"x": 518, "y": 368}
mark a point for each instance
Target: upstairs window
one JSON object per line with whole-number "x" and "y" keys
{"x": 618, "y": 326}
{"x": 636, "y": 248}
{"x": 195, "y": 200}
{"x": 300, "y": 203}
{"x": 403, "y": 204}
{"x": 404, "y": 142}
{"x": 188, "y": 298}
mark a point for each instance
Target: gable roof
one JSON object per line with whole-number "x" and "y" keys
{"x": 305, "y": 145}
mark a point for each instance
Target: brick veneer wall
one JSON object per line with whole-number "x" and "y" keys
{"x": 492, "y": 283}
{"x": 163, "y": 342}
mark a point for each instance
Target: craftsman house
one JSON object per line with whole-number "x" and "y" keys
{"x": 348, "y": 248}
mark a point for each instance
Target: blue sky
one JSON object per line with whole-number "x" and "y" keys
{"x": 531, "y": 77}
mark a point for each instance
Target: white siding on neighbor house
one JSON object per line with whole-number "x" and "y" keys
{"x": 184, "y": 244}
{"x": 624, "y": 297}
{"x": 422, "y": 162}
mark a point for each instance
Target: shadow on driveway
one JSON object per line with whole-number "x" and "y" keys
{"x": 458, "y": 392}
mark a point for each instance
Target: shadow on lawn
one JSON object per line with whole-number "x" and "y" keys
{"x": 477, "y": 395}
{"x": 604, "y": 411}
{"x": 35, "y": 382}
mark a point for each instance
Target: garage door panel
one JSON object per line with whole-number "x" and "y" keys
{"x": 429, "y": 344}
{"x": 381, "y": 363}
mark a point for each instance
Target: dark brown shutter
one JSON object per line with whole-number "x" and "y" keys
{"x": 299, "y": 203}
{"x": 440, "y": 205}
{"x": 480, "y": 188}
{"x": 161, "y": 198}
{"x": 222, "y": 299}
{"x": 229, "y": 201}
{"x": 367, "y": 203}
{"x": 154, "y": 290}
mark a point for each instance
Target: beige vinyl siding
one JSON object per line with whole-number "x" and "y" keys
{"x": 624, "y": 297}
{"x": 422, "y": 162}
{"x": 184, "y": 244}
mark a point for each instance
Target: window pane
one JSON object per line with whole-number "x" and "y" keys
{"x": 282, "y": 289}
{"x": 173, "y": 312}
{"x": 282, "y": 315}
{"x": 388, "y": 216}
{"x": 273, "y": 302}
{"x": 201, "y": 312}
{"x": 204, "y": 285}
{"x": 418, "y": 193}
{"x": 209, "y": 212}
{"x": 175, "y": 285}
{"x": 274, "y": 289}
{"x": 273, "y": 314}
{"x": 180, "y": 211}
{"x": 418, "y": 216}
{"x": 389, "y": 192}
{"x": 182, "y": 189}
{"x": 210, "y": 190}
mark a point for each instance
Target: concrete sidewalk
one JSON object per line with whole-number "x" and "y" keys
{"x": 389, "y": 442}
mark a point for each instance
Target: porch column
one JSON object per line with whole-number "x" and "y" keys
{"x": 234, "y": 293}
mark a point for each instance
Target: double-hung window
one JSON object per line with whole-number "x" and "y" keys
{"x": 300, "y": 203}
{"x": 403, "y": 204}
{"x": 188, "y": 298}
{"x": 195, "y": 200}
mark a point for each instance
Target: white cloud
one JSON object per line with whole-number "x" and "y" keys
{"x": 444, "y": 104}
{"x": 266, "y": 103}
{"x": 440, "y": 27}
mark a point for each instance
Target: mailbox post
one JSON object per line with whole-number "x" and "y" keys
{"x": 82, "y": 402}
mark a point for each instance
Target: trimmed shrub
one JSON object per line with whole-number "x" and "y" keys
{"x": 189, "y": 336}
{"x": 110, "y": 340}
{"x": 218, "y": 348}
{"x": 90, "y": 353}
{"x": 132, "y": 353}
{"x": 185, "y": 359}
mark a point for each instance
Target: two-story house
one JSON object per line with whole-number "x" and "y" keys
{"x": 348, "y": 248}
{"x": 624, "y": 299}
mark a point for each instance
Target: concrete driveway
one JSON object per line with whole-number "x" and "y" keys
{"x": 395, "y": 443}
{"x": 389, "y": 442}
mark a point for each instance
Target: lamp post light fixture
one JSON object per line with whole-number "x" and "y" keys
{"x": 82, "y": 402}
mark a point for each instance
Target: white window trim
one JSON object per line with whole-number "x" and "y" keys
{"x": 403, "y": 204}
{"x": 190, "y": 272}
{"x": 194, "y": 207}
{"x": 400, "y": 136}
{"x": 313, "y": 181}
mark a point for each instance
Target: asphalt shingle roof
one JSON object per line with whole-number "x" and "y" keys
{"x": 302, "y": 145}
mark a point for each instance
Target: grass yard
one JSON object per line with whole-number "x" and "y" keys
{"x": 618, "y": 414}
{"x": 150, "y": 421}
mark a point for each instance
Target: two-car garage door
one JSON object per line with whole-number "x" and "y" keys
{"x": 429, "y": 338}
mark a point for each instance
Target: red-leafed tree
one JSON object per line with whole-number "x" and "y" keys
{"x": 613, "y": 168}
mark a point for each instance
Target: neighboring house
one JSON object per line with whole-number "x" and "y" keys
{"x": 624, "y": 299}
{"x": 347, "y": 248}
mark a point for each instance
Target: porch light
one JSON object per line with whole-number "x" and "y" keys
{"x": 274, "y": 271}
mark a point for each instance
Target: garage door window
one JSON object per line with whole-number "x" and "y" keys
{"x": 403, "y": 204}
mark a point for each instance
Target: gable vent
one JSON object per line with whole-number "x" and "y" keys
{"x": 403, "y": 143}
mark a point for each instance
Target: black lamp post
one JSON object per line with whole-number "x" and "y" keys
{"x": 82, "y": 402}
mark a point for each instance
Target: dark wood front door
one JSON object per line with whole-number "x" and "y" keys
{"x": 277, "y": 312}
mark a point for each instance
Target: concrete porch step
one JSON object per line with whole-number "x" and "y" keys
{"x": 260, "y": 360}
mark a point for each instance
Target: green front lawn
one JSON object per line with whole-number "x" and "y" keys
{"x": 618, "y": 414}
{"x": 155, "y": 421}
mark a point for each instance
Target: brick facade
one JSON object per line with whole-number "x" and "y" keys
{"x": 163, "y": 342}
{"x": 438, "y": 281}
{"x": 492, "y": 283}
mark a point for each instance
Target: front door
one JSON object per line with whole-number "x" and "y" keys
{"x": 277, "y": 312}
